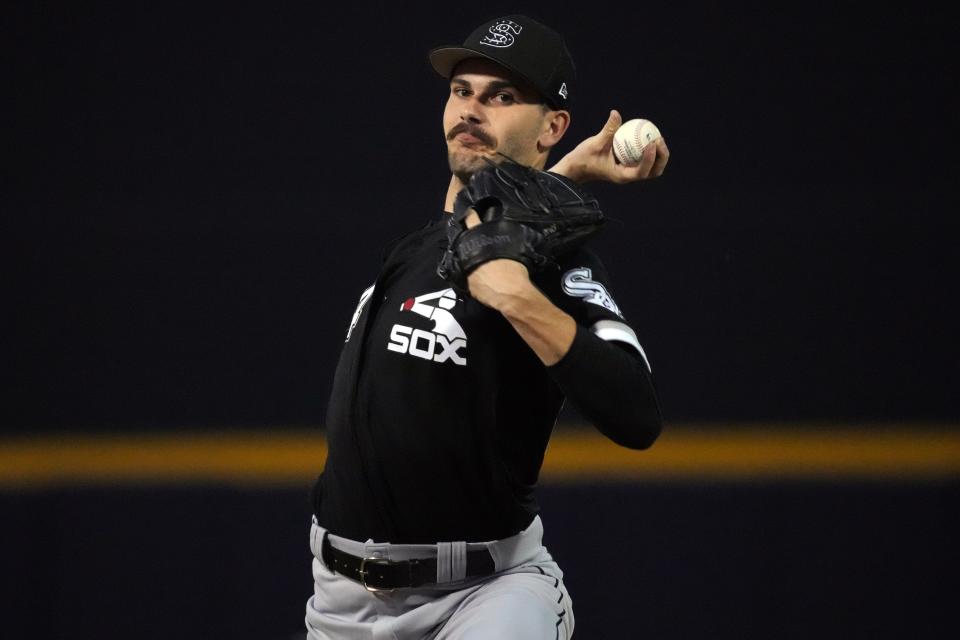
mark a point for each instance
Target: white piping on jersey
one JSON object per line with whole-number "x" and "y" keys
{"x": 617, "y": 331}
{"x": 364, "y": 298}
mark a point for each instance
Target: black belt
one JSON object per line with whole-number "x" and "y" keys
{"x": 380, "y": 574}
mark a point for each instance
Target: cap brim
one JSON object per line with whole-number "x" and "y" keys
{"x": 445, "y": 59}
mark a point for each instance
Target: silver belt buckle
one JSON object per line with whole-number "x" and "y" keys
{"x": 364, "y": 573}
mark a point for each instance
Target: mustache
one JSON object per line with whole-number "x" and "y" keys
{"x": 476, "y": 132}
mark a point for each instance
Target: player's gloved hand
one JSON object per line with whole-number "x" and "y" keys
{"x": 526, "y": 215}
{"x": 593, "y": 160}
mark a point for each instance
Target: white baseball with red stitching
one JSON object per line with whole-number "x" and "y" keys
{"x": 631, "y": 138}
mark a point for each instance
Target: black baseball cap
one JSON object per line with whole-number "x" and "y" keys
{"x": 526, "y": 47}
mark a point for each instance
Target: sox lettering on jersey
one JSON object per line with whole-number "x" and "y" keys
{"x": 440, "y": 345}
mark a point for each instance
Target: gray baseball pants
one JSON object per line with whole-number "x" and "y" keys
{"x": 524, "y": 600}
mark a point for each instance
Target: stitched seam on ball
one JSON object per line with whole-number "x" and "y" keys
{"x": 625, "y": 156}
{"x": 628, "y": 151}
{"x": 639, "y": 138}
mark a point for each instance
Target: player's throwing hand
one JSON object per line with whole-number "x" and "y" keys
{"x": 593, "y": 159}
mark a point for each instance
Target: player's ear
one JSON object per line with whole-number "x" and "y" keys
{"x": 555, "y": 124}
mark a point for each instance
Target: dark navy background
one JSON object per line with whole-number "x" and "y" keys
{"x": 669, "y": 561}
{"x": 199, "y": 195}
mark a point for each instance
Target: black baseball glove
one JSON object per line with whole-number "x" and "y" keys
{"x": 526, "y": 215}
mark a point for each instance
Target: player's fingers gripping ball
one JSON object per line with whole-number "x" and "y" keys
{"x": 632, "y": 138}
{"x": 526, "y": 215}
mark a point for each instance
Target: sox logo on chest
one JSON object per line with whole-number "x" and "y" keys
{"x": 446, "y": 342}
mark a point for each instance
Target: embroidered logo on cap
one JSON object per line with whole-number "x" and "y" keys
{"x": 563, "y": 90}
{"x": 502, "y": 34}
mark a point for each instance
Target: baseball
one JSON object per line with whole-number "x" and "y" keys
{"x": 631, "y": 138}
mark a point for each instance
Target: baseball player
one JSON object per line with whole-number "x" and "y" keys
{"x": 426, "y": 522}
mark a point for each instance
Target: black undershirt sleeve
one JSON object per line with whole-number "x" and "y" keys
{"x": 609, "y": 383}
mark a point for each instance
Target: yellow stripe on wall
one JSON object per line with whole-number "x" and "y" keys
{"x": 748, "y": 453}
{"x": 286, "y": 457}
{"x": 294, "y": 457}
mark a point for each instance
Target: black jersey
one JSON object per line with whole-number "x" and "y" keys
{"x": 440, "y": 413}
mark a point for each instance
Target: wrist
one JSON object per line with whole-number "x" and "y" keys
{"x": 548, "y": 330}
{"x": 501, "y": 284}
{"x": 568, "y": 169}
{"x": 519, "y": 301}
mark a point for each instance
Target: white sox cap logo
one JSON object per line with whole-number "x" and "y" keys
{"x": 502, "y": 34}
{"x": 444, "y": 342}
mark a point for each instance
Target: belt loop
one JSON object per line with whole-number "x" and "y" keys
{"x": 443, "y": 562}
{"x": 458, "y": 561}
{"x": 451, "y": 561}
{"x": 325, "y": 555}
{"x": 315, "y": 533}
